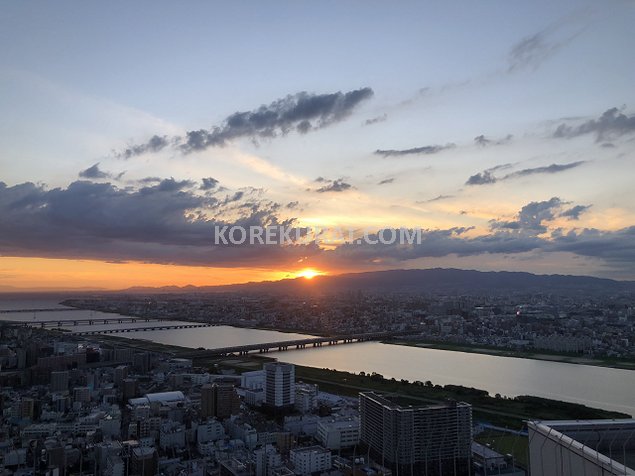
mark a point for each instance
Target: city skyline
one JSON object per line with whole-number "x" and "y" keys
{"x": 504, "y": 131}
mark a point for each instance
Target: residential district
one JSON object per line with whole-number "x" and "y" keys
{"x": 75, "y": 406}
{"x": 588, "y": 325}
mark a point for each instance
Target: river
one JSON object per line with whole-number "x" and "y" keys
{"x": 611, "y": 389}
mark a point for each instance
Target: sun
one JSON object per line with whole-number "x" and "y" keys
{"x": 308, "y": 273}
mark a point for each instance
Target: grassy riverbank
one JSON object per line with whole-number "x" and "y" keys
{"x": 623, "y": 364}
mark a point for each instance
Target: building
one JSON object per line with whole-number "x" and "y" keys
{"x": 279, "y": 385}
{"x": 582, "y": 447}
{"x": 59, "y": 381}
{"x": 310, "y": 459}
{"x": 219, "y": 400}
{"x": 306, "y": 397}
{"x": 338, "y": 433}
{"x": 432, "y": 440}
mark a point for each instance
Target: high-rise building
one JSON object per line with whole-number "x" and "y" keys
{"x": 279, "y": 384}
{"x": 59, "y": 381}
{"x": 433, "y": 439}
{"x": 219, "y": 400}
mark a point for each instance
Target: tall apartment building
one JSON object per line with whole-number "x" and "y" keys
{"x": 59, "y": 381}
{"x": 432, "y": 440}
{"x": 219, "y": 400}
{"x": 279, "y": 385}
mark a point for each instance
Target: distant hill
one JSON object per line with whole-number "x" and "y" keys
{"x": 445, "y": 281}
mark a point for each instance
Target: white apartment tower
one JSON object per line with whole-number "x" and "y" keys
{"x": 279, "y": 384}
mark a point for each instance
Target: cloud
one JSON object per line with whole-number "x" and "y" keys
{"x": 208, "y": 183}
{"x": 337, "y": 185}
{"x": 612, "y": 123}
{"x": 533, "y": 50}
{"x": 386, "y": 181}
{"x": 481, "y": 178}
{"x": 531, "y": 217}
{"x": 174, "y": 224}
{"x": 94, "y": 172}
{"x": 438, "y": 198}
{"x": 155, "y": 144}
{"x": 167, "y": 223}
{"x": 484, "y": 141}
{"x": 575, "y": 212}
{"x": 486, "y": 177}
{"x": 301, "y": 112}
{"x": 425, "y": 150}
{"x": 375, "y": 120}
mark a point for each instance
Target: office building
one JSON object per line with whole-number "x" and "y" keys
{"x": 433, "y": 439}
{"x": 338, "y": 433}
{"x": 59, "y": 381}
{"x": 219, "y": 400}
{"x": 310, "y": 459}
{"x": 279, "y": 385}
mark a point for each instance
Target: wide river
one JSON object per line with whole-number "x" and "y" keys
{"x": 607, "y": 388}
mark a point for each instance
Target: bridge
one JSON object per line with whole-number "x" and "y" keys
{"x": 85, "y": 321}
{"x": 33, "y": 311}
{"x": 287, "y": 344}
{"x": 142, "y": 329}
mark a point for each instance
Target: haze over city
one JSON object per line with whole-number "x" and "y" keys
{"x": 504, "y": 130}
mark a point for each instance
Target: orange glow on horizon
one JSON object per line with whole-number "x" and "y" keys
{"x": 24, "y": 274}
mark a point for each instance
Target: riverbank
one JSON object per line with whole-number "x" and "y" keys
{"x": 622, "y": 364}
{"x": 502, "y": 411}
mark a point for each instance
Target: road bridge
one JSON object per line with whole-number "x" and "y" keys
{"x": 291, "y": 344}
{"x": 85, "y": 321}
{"x": 33, "y": 311}
{"x": 141, "y": 329}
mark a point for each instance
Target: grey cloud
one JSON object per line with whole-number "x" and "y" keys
{"x": 533, "y": 50}
{"x": 161, "y": 224}
{"x": 481, "y": 178}
{"x": 301, "y": 112}
{"x": 439, "y": 198}
{"x": 337, "y": 185}
{"x": 531, "y": 217}
{"x": 386, "y": 181}
{"x": 612, "y": 123}
{"x": 208, "y": 183}
{"x": 484, "y": 141}
{"x": 486, "y": 177}
{"x": 155, "y": 144}
{"x": 425, "y": 150}
{"x": 549, "y": 169}
{"x": 575, "y": 212}
{"x": 94, "y": 172}
{"x": 149, "y": 180}
{"x": 376, "y": 120}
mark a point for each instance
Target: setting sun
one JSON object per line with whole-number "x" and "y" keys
{"x": 308, "y": 273}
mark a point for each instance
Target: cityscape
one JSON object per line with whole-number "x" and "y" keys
{"x": 317, "y": 238}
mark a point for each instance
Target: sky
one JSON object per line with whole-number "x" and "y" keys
{"x": 504, "y": 130}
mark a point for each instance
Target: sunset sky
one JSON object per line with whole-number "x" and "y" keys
{"x": 505, "y": 130}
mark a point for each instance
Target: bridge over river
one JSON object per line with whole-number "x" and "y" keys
{"x": 287, "y": 344}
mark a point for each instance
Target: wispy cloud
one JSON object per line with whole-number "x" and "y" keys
{"x": 95, "y": 172}
{"x": 484, "y": 141}
{"x": 533, "y": 50}
{"x": 425, "y": 150}
{"x": 487, "y": 176}
{"x": 574, "y": 212}
{"x": 301, "y": 112}
{"x": 337, "y": 185}
{"x": 375, "y": 120}
{"x": 386, "y": 181}
{"x": 612, "y": 123}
